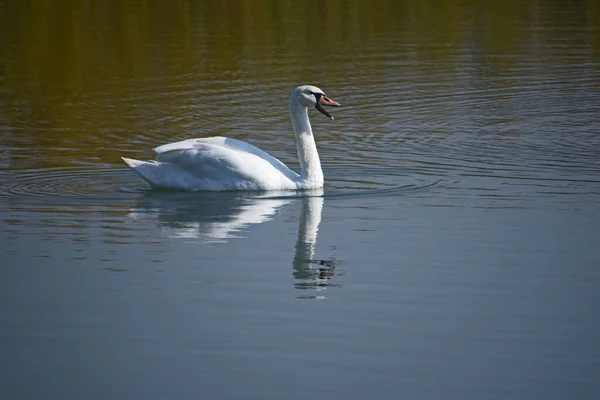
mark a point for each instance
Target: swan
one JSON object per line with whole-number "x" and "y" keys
{"x": 221, "y": 163}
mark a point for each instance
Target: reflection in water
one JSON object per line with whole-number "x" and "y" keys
{"x": 212, "y": 218}
{"x": 312, "y": 274}
{"x": 219, "y": 217}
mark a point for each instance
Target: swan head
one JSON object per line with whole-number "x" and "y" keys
{"x": 311, "y": 96}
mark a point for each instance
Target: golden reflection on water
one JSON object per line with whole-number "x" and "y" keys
{"x": 84, "y": 77}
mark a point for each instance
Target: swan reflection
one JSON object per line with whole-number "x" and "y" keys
{"x": 213, "y": 219}
{"x": 220, "y": 217}
{"x": 311, "y": 274}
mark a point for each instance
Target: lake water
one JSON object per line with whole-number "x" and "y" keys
{"x": 453, "y": 253}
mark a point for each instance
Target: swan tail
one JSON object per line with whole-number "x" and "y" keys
{"x": 149, "y": 170}
{"x": 164, "y": 175}
{"x": 132, "y": 163}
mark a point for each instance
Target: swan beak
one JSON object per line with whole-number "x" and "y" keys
{"x": 324, "y": 101}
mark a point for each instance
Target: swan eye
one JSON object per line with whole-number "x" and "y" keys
{"x": 317, "y": 96}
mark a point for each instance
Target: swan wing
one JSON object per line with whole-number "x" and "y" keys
{"x": 166, "y": 151}
{"x": 226, "y": 163}
{"x": 228, "y": 143}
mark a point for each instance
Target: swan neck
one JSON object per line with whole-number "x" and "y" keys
{"x": 308, "y": 156}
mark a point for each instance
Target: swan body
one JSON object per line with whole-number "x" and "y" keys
{"x": 220, "y": 163}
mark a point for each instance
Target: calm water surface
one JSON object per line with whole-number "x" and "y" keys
{"x": 452, "y": 254}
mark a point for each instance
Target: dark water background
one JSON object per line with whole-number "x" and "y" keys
{"x": 454, "y": 252}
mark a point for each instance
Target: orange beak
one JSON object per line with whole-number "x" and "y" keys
{"x": 325, "y": 101}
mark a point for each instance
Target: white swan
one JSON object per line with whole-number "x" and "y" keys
{"x": 219, "y": 163}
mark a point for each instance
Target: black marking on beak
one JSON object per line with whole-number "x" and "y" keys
{"x": 319, "y": 107}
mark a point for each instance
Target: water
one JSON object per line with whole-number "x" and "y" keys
{"x": 452, "y": 254}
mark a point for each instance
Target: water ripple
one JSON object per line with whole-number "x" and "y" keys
{"x": 75, "y": 183}
{"x": 66, "y": 182}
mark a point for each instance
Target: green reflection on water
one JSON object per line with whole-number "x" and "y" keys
{"x": 78, "y": 76}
